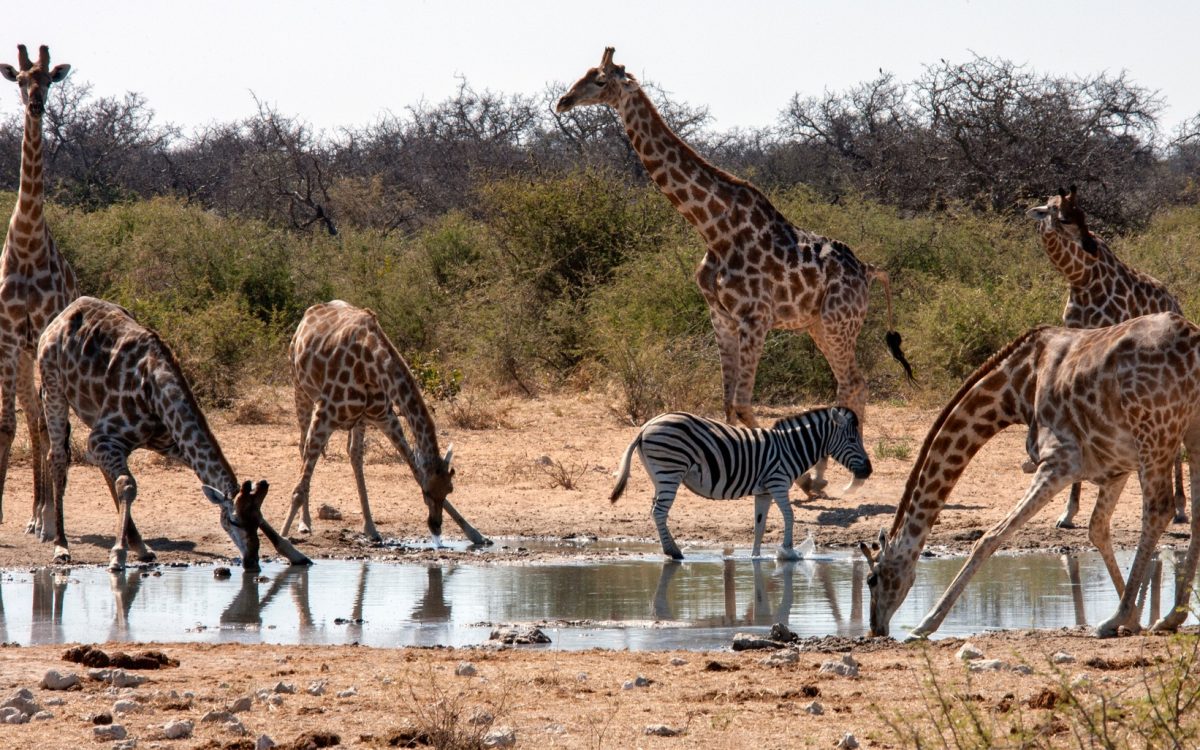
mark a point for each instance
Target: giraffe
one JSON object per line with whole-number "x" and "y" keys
{"x": 1107, "y": 401}
{"x": 348, "y": 374}
{"x": 759, "y": 272}
{"x": 36, "y": 282}
{"x": 123, "y": 381}
{"x": 1103, "y": 291}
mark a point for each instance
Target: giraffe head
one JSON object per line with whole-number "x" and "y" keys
{"x": 889, "y": 581}
{"x": 439, "y": 482}
{"x": 600, "y": 85}
{"x": 1062, "y": 215}
{"x": 241, "y": 517}
{"x": 34, "y": 79}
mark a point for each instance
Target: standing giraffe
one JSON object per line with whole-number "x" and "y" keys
{"x": 1104, "y": 291}
{"x": 759, "y": 271}
{"x": 348, "y": 374}
{"x": 1106, "y": 402}
{"x": 36, "y": 282}
{"x": 124, "y": 383}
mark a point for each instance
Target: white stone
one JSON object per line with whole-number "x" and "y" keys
{"x": 1023, "y": 669}
{"x": 316, "y": 687}
{"x": 264, "y": 743}
{"x": 847, "y": 742}
{"x": 348, "y": 692}
{"x": 1062, "y": 657}
{"x": 481, "y": 718}
{"x": 126, "y": 707}
{"x": 118, "y": 678}
{"x": 846, "y": 667}
{"x": 275, "y": 700}
{"x": 245, "y": 703}
{"x": 22, "y": 700}
{"x": 178, "y": 729}
{"x": 500, "y": 737}
{"x": 661, "y": 730}
{"x": 43, "y": 716}
{"x": 128, "y": 744}
{"x": 13, "y": 715}
{"x": 677, "y": 661}
{"x": 53, "y": 680}
{"x": 235, "y": 727}
{"x": 217, "y": 716}
{"x": 109, "y": 732}
{"x": 465, "y": 669}
{"x": 969, "y": 652}
{"x": 284, "y": 687}
{"x": 814, "y": 708}
{"x": 55, "y": 701}
{"x": 986, "y": 665}
{"x": 782, "y": 658}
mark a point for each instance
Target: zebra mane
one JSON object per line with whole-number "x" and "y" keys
{"x": 986, "y": 368}
{"x": 795, "y": 420}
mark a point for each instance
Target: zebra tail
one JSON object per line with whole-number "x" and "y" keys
{"x": 623, "y": 469}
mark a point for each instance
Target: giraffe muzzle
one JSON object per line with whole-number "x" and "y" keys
{"x": 564, "y": 104}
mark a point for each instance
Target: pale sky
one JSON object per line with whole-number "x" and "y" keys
{"x": 346, "y": 62}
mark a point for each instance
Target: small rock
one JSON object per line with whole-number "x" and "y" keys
{"x": 12, "y": 715}
{"x": 245, "y": 703}
{"x": 264, "y": 743}
{"x": 783, "y": 658}
{"x": 109, "y": 732}
{"x": 126, "y": 707}
{"x": 221, "y": 572}
{"x": 235, "y": 727}
{"x": 782, "y": 633}
{"x": 55, "y": 701}
{"x": 752, "y": 642}
{"x": 968, "y": 652}
{"x": 217, "y": 716}
{"x": 847, "y": 742}
{"x": 284, "y": 687}
{"x": 275, "y": 699}
{"x": 177, "y": 730}
{"x": 519, "y": 635}
{"x": 102, "y": 718}
{"x": 581, "y": 677}
{"x": 55, "y": 681}
{"x": 637, "y": 682}
{"x": 662, "y": 730}
{"x": 316, "y": 687}
{"x": 1023, "y": 669}
{"x": 846, "y": 667}
{"x": 986, "y": 665}
{"x": 128, "y": 744}
{"x": 465, "y": 669}
{"x": 481, "y": 718}
{"x": 500, "y": 737}
{"x": 328, "y": 513}
{"x": 1062, "y": 657}
{"x": 43, "y": 716}
{"x": 677, "y": 661}
{"x": 22, "y": 700}
{"x": 118, "y": 678}
{"x": 349, "y": 692}
{"x": 814, "y": 708}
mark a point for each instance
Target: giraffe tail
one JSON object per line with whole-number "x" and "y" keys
{"x": 892, "y": 338}
{"x": 623, "y": 469}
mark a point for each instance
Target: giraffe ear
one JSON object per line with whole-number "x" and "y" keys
{"x": 883, "y": 541}
{"x": 449, "y": 455}
{"x": 216, "y": 497}
{"x": 865, "y": 549}
{"x": 59, "y": 72}
{"x": 1062, "y": 193}
{"x": 8, "y": 72}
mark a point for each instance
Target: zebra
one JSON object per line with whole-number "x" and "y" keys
{"x": 723, "y": 462}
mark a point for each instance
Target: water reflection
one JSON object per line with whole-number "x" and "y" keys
{"x": 697, "y": 603}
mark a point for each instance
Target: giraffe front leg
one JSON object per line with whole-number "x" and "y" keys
{"x": 58, "y": 437}
{"x": 1180, "y": 496}
{"x": 1067, "y": 519}
{"x": 1157, "y": 502}
{"x": 727, "y": 337}
{"x": 8, "y": 417}
{"x": 320, "y": 427}
{"x": 751, "y": 333}
{"x": 354, "y": 446}
{"x": 1100, "y": 530}
{"x": 112, "y": 461}
{"x": 1185, "y": 574}
{"x": 835, "y": 340}
{"x": 1050, "y": 478}
{"x": 42, "y": 511}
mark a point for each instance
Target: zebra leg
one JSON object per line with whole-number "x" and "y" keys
{"x": 664, "y": 495}
{"x": 786, "y": 551}
{"x": 762, "y": 504}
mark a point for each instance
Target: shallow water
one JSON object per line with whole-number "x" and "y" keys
{"x": 634, "y": 602}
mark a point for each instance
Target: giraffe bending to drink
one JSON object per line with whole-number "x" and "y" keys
{"x": 124, "y": 383}
{"x": 348, "y": 374}
{"x": 1104, "y": 291}
{"x": 759, "y": 271}
{"x": 36, "y": 283}
{"x": 1106, "y": 402}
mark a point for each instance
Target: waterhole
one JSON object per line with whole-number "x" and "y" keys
{"x": 634, "y": 602}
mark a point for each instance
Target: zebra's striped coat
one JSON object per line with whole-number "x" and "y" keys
{"x": 723, "y": 462}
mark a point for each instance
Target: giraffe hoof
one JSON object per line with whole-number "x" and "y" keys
{"x": 1181, "y": 518}
{"x": 116, "y": 560}
{"x": 1064, "y": 523}
{"x": 147, "y": 556}
{"x": 62, "y": 555}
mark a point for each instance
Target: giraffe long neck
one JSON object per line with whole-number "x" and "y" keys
{"x": 1067, "y": 255}
{"x": 693, "y": 185}
{"x": 27, "y": 229}
{"x": 998, "y": 394}
{"x": 196, "y": 443}
{"x": 405, "y": 393}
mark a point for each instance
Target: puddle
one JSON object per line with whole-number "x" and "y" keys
{"x": 626, "y": 603}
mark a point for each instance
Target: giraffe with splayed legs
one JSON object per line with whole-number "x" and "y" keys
{"x": 1106, "y": 402}
{"x": 123, "y": 382}
{"x": 759, "y": 271}
{"x": 36, "y": 283}
{"x": 1103, "y": 291}
{"x": 348, "y": 375}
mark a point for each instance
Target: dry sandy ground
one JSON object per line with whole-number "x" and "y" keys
{"x": 509, "y": 483}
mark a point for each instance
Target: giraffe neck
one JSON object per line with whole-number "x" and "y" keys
{"x": 27, "y": 229}
{"x": 1067, "y": 255}
{"x": 688, "y": 181}
{"x": 998, "y": 394}
{"x": 196, "y": 444}
{"x": 405, "y": 393}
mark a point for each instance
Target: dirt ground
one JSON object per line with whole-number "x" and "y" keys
{"x": 546, "y": 471}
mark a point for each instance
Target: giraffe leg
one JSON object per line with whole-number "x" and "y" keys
{"x": 477, "y": 539}
{"x": 1100, "y": 529}
{"x": 354, "y": 446}
{"x": 1067, "y": 519}
{"x": 751, "y": 333}
{"x": 1183, "y": 582}
{"x": 42, "y": 513}
{"x": 304, "y": 409}
{"x": 1050, "y": 478}
{"x": 762, "y": 504}
{"x": 725, "y": 328}
{"x": 320, "y": 427}
{"x": 1157, "y": 501}
{"x": 8, "y": 416}
{"x": 58, "y": 437}
{"x": 1180, "y": 496}
{"x": 112, "y": 460}
{"x": 132, "y": 535}
{"x": 836, "y": 342}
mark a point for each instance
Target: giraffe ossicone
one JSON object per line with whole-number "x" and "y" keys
{"x": 759, "y": 271}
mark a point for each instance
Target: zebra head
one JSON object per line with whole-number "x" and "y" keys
{"x": 846, "y": 446}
